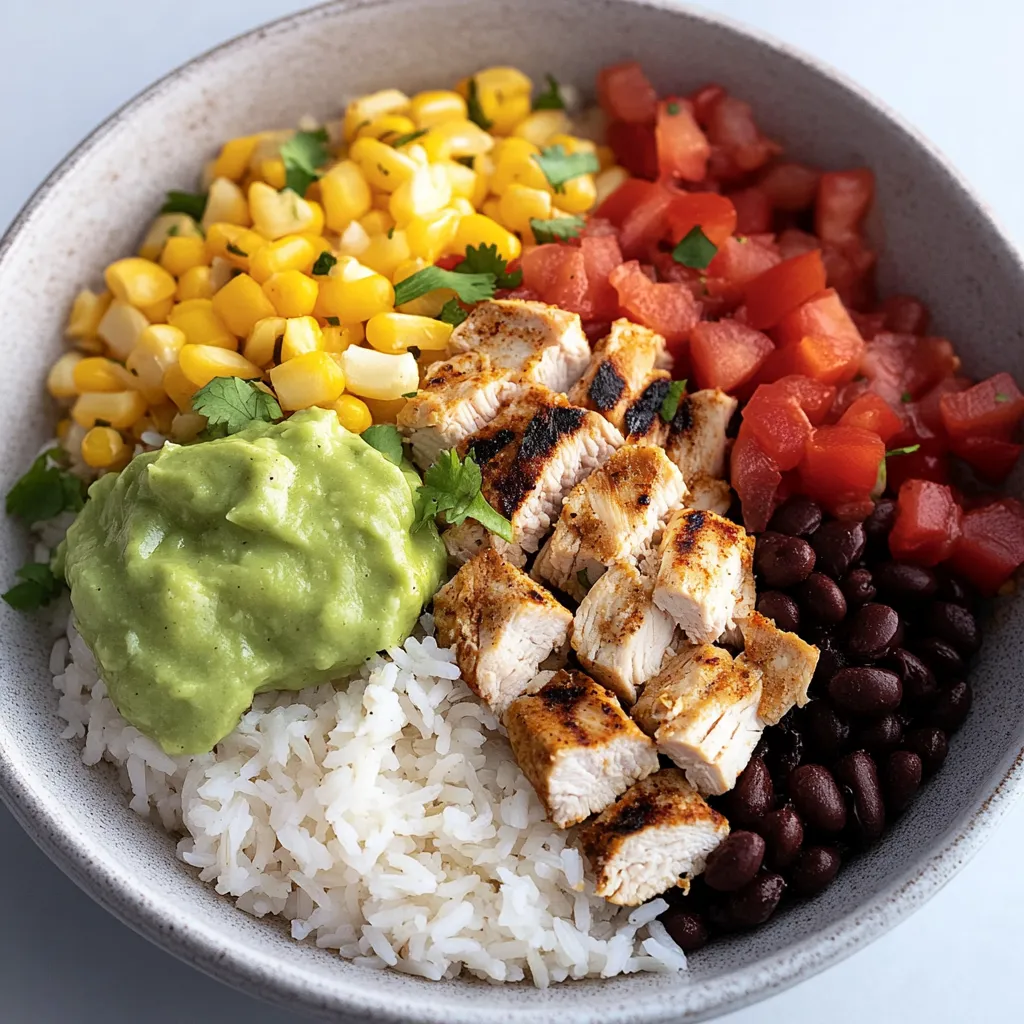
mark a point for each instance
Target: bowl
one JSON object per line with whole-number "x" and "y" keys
{"x": 939, "y": 242}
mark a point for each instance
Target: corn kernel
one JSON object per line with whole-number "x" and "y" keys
{"x": 63, "y": 426}
{"x": 220, "y": 273}
{"x": 541, "y": 125}
{"x": 158, "y": 312}
{"x": 98, "y": 374}
{"x": 436, "y": 106}
{"x": 345, "y": 194}
{"x": 385, "y": 252}
{"x": 499, "y": 89}
{"x": 234, "y": 244}
{"x": 607, "y": 182}
{"x": 86, "y": 313}
{"x": 429, "y": 236}
{"x": 179, "y": 388}
{"x": 385, "y": 410}
{"x": 240, "y": 303}
{"x": 302, "y": 334}
{"x": 271, "y": 172}
{"x": 157, "y": 349}
{"x": 353, "y": 292}
{"x": 316, "y": 225}
{"x": 200, "y": 323}
{"x": 578, "y": 194}
{"x": 353, "y": 414}
{"x": 118, "y": 409}
{"x": 386, "y": 125}
{"x": 383, "y": 167}
{"x": 353, "y": 240}
{"x": 454, "y": 139}
{"x": 164, "y": 228}
{"x": 225, "y": 203}
{"x": 426, "y": 305}
{"x": 368, "y": 108}
{"x": 313, "y": 378}
{"x": 201, "y": 363}
{"x": 162, "y": 416}
{"x": 397, "y": 332}
{"x": 291, "y": 292}
{"x": 463, "y": 207}
{"x": 520, "y": 203}
{"x": 139, "y": 282}
{"x": 319, "y": 243}
{"x": 103, "y": 447}
{"x": 195, "y": 284}
{"x": 510, "y": 113}
{"x": 377, "y": 222}
{"x": 292, "y": 252}
{"x": 461, "y": 179}
{"x": 182, "y": 253}
{"x": 60, "y": 381}
{"x": 380, "y": 201}
{"x": 275, "y": 214}
{"x": 479, "y": 230}
{"x": 120, "y": 327}
{"x": 261, "y": 345}
{"x": 233, "y": 160}
{"x": 187, "y": 426}
{"x": 517, "y": 164}
{"x": 426, "y": 192}
{"x": 338, "y": 337}
{"x": 372, "y": 374}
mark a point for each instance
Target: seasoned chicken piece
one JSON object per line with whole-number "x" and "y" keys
{"x": 469, "y": 539}
{"x": 456, "y": 399}
{"x": 577, "y": 747}
{"x": 619, "y": 370}
{"x": 619, "y": 635}
{"x": 531, "y": 455}
{"x": 642, "y": 422}
{"x": 657, "y": 835}
{"x": 709, "y": 494}
{"x": 697, "y": 441}
{"x": 705, "y": 577}
{"x": 609, "y": 517}
{"x": 501, "y": 625}
{"x": 701, "y": 708}
{"x": 786, "y": 662}
{"x": 543, "y": 343}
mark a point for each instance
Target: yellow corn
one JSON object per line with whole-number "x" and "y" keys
{"x": 187, "y": 426}
{"x": 302, "y": 334}
{"x": 261, "y": 344}
{"x": 377, "y": 222}
{"x": 60, "y": 381}
{"x": 158, "y": 311}
{"x": 292, "y": 252}
{"x": 385, "y": 252}
{"x": 225, "y": 203}
{"x": 385, "y": 410}
{"x": 240, "y": 303}
{"x": 162, "y": 416}
{"x": 270, "y": 171}
{"x": 354, "y": 292}
{"x": 313, "y": 378}
{"x": 572, "y": 143}
{"x": 426, "y": 305}
{"x": 520, "y": 203}
{"x": 319, "y": 243}
{"x": 515, "y": 163}
{"x": 338, "y": 337}
{"x": 64, "y": 425}
{"x": 607, "y": 181}
{"x": 232, "y": 243}
{"x": 397, "y": 332}
{"x": 220, "y": 273}
{"x": 381, "y": 201}
{"x": 353, "y": 414}
{"x": 291, "y": 292}
{"x": 183, "y": 252}
{"x": 200, "y": 323}
{"x": 103, "y": 447}
{"x": 372, "y": 374}
{"x": 195, "y": 284}
{"x": 120, "y": 327}
{"x": 429, "y": 236}
{"x": 436, "y": 106}
{"x": 345, "y": 194}
{"x": 157, "y": 349}
{"x": 504, "y": 96}
{"x": 456, "y": 138}
{"x": 461, "y": 179}
{"x": 139, "y": 282}
{"x": 579, "y": 194}
{"x": 179, "y": 388}
{"x": 383, "y": 167}
{"x": 98, "y": 374}
{"x": 541, "y": 125}
{"x": 492, "y": 208}
{"x": 426, "y": 192}
{"x": 367, "y": 109}
{"x": 164, "y": 228}
{"x": 463, "y": 207}
{"x": 480, "y": 230}
{"x": 233, "y": 159}
{"x": 86, "y": 313}
{"x": 201, "y": 363}
{"x": 385, "y": 125}
{"x": 353, "y": 240}
{"x": 276, "y": 214}
{"x": 118, "y": 409}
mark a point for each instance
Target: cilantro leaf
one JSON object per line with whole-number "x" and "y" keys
{"x": 233, "y": 403}
{"x": 469, "y": 287}
{"x": 235, "y": 250}
{"x": 551, "y": 99}
{"x": 695, "y": 249}
{"x": 334, "y": 321}
{"x": 673, "y": 108}
{"x": 192, "y": 203}
{"x": 46, "y": 490}
{"x": 452, "y": 313}
{"x": 38, "y": 587}
{"x": 452, "y": 487}
{"x": 1000, "y": 397}
{"x": 404, "y": 140}
{"x": 474, "y": 111}
{"x": 560, "y": 167}
{"x": 303, "y": 154}
{"x": 484, "y": 259}
{"x": 908, "y": 450}
{"x": 324, "y": 264}
{"x": 906, "y": 397}
{"x": 583, "y": 579}
{"x": 386, "y": 439}
{"x": 670, "y": 403}
{"x": 557, "y": 229}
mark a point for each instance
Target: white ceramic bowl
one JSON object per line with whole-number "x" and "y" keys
{"x": 939, "y": 243}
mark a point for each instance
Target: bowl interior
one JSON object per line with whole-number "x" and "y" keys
{"x": 937, "y": 244}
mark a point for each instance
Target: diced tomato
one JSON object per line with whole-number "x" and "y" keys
{"x": 840, "y": 468}
{"x": 814, "y": 397}
{"x": 781, "y": 428}
{"x": 644, "y": 226}
{"x": 823, "y": 316}
{"x": 669, "y": 309}
{"x": 843, "y": 201}
{"x": 595, "y": 330}
{"x": 830, "y": 360}
{"x": 714, "y": 214}
{"x": 617, "y": 206}
{"x": 601, "y": 255}
{"x": 737, "y": 262}
{"x": 756, "y": 480}
{"x": 904, "y": 364}
{"x": 991, "y": 545}
{"x": 992, "y": 408}
{"x": 869, "y": 324}
{"x": 779, "y": 290}
{"x": 521, "y": 293}
{"x": 704, "y": 100}
{"x": 450, "y": 262}
{"x": 795, "y": 243}
{"x": 991, "y": 458}
{"x": 558, "y": 273}
{"x": 683, "y": 149}
{"x": 920, "y": 465}
{"x": 597, "y": 227}
{"x": 753, "y": 211}
{"x": 927, "y": 523}
{"x": 849, "y": 268}
{"x": 626, "y": 94}
{"x": 726, "y": 354}
{"x": 929, "y": 405}
{"x": 790, "y": 186}
{"x": 634, "y": 147}
{"x": 741, "y": 146}
{"x": 873, "y": 413}
{"x": 905, "y": 315}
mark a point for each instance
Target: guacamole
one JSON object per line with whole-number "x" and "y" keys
{"x": 273, "y": 559}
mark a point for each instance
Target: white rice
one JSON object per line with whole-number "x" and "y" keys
{"x": 387, "y": 821}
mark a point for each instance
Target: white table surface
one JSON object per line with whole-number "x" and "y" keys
{"x": 951, "y": 68}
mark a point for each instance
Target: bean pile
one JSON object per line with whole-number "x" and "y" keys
{"x": 889, "y": 689}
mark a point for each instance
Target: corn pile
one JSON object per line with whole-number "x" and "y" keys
{"x": 243, "y": 291}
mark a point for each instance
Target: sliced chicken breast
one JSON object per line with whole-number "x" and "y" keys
{"x": 577, "y": 746}
{"x": 543, "y": 343}
{"x": 709, "y": 494}
{"x": 657, "y": 835}
{"x": 787, "y": 664}
{"x": 697, "y": 441}
{"x": 701, "y": 709}
{"x": 469, "y": 539}
{"x": 609, "y": 517}
{"x": 501, "y": 625}
{"x": 619, "y": 635}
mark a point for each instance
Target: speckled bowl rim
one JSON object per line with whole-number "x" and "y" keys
{"x": 256, "y": 973}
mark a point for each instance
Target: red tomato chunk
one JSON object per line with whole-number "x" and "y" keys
{"x": 683, "y": 149}
{"x": 843, "y": 201}
{"x": 873, "y": 413}
{"x": 669, "y": 309}
{"x": 991, "y": 545}
{"x": 927, "y": 523}
{"x": 840, "y": 469}
{"x": 626, "y": 94}
{"x": 727, "y": 354}
{"x": 756, "y": 480}
{"x": 781, "y": 289}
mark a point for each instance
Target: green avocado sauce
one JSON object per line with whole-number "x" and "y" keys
{"x": 274, "y": 559}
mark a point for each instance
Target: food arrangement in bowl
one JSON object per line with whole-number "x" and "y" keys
{"x": 522, "y": 543}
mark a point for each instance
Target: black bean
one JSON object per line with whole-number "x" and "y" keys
{"x": 814, "y": 869}
{"x": 686, "y": 927}
{"x": 952, "y": 589}
{"x": 782, "y": 561}
{"x": 902, "y": 582}
{"x": 858, "y": 773}
{"x": 783, "y": 833}
{"x": 873, "y": 631}
{"x": 956, "y": 625}
{"x": 838, "y": 545}
{"x": 930, "y": 744}
{"x": 821, "y": 599}
{"x": 797, "y": 517}
{"x": 902, "y": 778}
{"x": 755, "y": 902}
{"x": 878, "y": 525}
{"x": 918, "y": 679}
{"x": 817, "y": 798}
{"x": 940, "y": 657}
{"x": 784, "y": 750}
{"x": 752, "y": 796}
{"x": 858, "y": 587}
{"x": 780, "y": 608}
{"x": 866, "y": 691}
{"x": 831, "y": 657}
{"x": 735, "y": 861}
{"x": 951, "y": 707}
{"x": 881, "y": 735}
{"x": 827, "y": 731}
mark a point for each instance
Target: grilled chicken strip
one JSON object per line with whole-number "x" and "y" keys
{"x": 786, "y": 662}
{"x": 543, "y": 343}
{"x": 705, "y": 577}
{"x": 577, "y": 746}
{"x": 531, "y": 455}
{"x": 456, "y": 399}
{"x": 702, "y": 710}
{"x": 619, "y": 635}
{"x": 501, "y": 625}
{"x": 657, "y": 835}
{"x": 709, "y": 494}
{"x": 697, "y": 441}
{"x": 609, "y": 517}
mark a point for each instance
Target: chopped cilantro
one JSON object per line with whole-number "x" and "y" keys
{"x": 560, "y": 167}
{"x": 191, "y": 203}
{"x": 673, "y": 108}
{"x": 452, "y": 487}
{"x": 474, "y": 110}
{"x": 404, "y": 140}
{"x": 386, "y": 439}
{"x": 410, "y": 394}
{"x": 583, "y": 579}
{"x": 414, "y": 351}
{"x": 391, "y": 232}
{"x": 452, "y": 313}
{"x": 556, "y": 229}
{"x": 906, "y": 397}
{"x": 303, "y": 155}
{"x": 46, "y": 490}
{"x": 908, "y": 450}
{"x": 1000, "y": 397}
{"x": 334, "y": 321}
{"x": 670, "y": 403}
{"x": 551, "y": 98}
{"x": 235, "y": 251}
{"x": 485, "y": 259}
{"x": 695, "y": 249}
{"x": 324, "y": 264}
{"x": 38, "y": 587}
{"x": 466, "y": 161}
{"x": 469, "y": 287}
{"x": 233, "y": 404}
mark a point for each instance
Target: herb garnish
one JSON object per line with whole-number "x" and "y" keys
{"x": 670, "y": 403}
{"x": 551, "y": 98}
{"x": 191, "y": 203}
{"x": 46, "y": 490}
{"x": 560, "y": 167}
{"x": 908, "y": 450}
{"x": 556, "y": 229}
{"x": 474, "y": 111}
{"x": 324, "y": 264}
{"x": 303, "y": 154}
{"x": 452, "y": 313}
{"x": 695, "y": 249}
{"x": 232, "y": 404}
{"x": 386, "y": 439}
{"x": 404, "y": 140}
{"x": 452, "y": 487}
{"x": 38, "y": 587}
